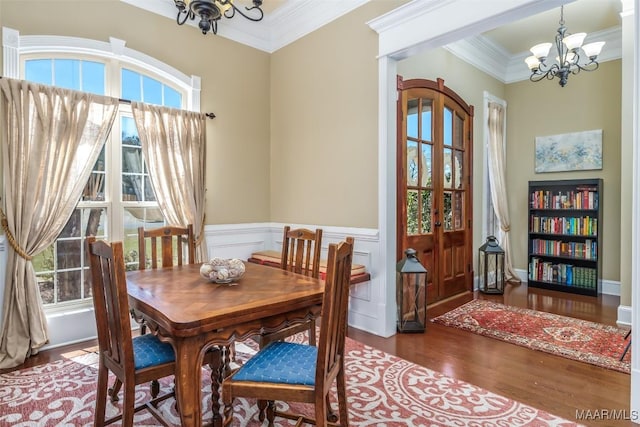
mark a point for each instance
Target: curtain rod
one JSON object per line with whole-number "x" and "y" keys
{"x": 127, "y": 101}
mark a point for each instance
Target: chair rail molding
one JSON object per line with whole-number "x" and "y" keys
{"x": 367, "y": 301}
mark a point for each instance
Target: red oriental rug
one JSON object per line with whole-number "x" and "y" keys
{"x": 382, "y": 390}
{"x": 594, "y": 343}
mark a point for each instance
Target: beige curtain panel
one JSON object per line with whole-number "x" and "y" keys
{"x": 497, "y": 169}
{"x": 174, "y": 149}
{"x": 51, "y": 138}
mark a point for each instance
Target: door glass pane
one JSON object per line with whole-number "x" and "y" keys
{"x": 412, "y": 212}
{"x": 426, "y": 120}
{"x": 459, "y": 135}
{"x": 458, "y": 211}
{"x": 426, "y": 165}
{"x": 447, "y": 168}
{"x": 412, "y": 118}
{"x": 447, "y": 131}
{"x": 457, "y": 169}
{"x": 426, "y": 211}
{"x": 412, "y": 163}
{"x": 448, "y": 212}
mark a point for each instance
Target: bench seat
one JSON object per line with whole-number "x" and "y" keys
{"x": 272, "y": 258}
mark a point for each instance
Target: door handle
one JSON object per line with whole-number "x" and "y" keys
{"x": 437, "y": 224}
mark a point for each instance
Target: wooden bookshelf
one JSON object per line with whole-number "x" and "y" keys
{"x": 565, "y": 235}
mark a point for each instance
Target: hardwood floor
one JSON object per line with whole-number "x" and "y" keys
{"x": 555, "y": 384}
{"x": 551, "y": 383}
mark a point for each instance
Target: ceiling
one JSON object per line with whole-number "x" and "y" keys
{"x": 499, "y": 52}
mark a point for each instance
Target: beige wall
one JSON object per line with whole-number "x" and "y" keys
{"x": 324, "y": 124}
{"x": 588, "y": 101}
{"x": 235, "y": 86}
{"x": 470, "y": 83}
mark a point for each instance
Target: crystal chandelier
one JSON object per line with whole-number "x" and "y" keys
{"x": 572, "y": 56}
{"x": 210, "y": 12}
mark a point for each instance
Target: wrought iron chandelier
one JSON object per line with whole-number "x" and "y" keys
{"x": 572, "y": 57}
{"x": 210, "y": 12}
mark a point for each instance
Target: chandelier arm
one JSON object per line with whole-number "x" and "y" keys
{"x": 187, "y": 14}
{"x": 590, "y": 66}
{"x": 537, "y": 77}
{"x": 229, "y": 13}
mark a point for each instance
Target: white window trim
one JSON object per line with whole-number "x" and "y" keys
{"x": 14, "y": 45}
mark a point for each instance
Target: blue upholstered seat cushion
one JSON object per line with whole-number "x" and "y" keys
{"x": 150, "y": 351}
{"x": 281, "y": 362}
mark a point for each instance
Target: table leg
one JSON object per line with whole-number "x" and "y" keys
{"x": 216, "y": 378}
{"x": 188, "y": 382}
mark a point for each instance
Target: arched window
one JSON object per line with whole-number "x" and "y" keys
{"x": 118, "y": 197}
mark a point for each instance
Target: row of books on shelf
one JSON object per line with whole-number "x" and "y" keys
{"x": 565, "y": 274}
{"x": 577, "y": 226}
{"x": 582, "y": 250}
{"x": 581, "y": 198}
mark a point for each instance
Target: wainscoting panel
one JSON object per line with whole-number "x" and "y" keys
{"x": 366, "y": 305}
{"x": 241, "y": 240}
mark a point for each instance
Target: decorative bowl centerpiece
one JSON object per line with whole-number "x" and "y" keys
{"x": 222, "y": 270}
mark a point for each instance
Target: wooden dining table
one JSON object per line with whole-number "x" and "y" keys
{"x": 194, "y": 315}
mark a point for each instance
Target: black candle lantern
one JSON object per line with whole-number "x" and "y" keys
{"x": 491, "y": 267}
{"x": 411, "y": 294}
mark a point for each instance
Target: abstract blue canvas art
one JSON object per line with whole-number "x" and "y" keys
{"x": 569, "y": 152}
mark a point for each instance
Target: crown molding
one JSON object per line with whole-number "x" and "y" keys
{"x": 284, "y": 25}
{"x": 491, "y": 58}
{"x": 483, "y": 54}
{"x": 296, "y": 19}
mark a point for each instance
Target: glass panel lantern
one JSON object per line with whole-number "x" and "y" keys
{"x": 411, "y": 293}
{"x": 491, "y": 267}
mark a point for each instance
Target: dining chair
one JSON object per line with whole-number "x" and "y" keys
{"x": 301, "y": 254}
{"x": 295, "y": 372}
{"x": 133, "y": 360}
{"x": 171, "y": 245}
{"x": 177, "y": 246}
{"x": 165, "y": 247}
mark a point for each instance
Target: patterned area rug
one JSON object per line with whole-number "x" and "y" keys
{"x": 382, "y": 390}
{"x": 576, "y": 339}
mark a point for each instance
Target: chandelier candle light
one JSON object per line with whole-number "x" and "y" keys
{"x": 572, "y": 56}
{"x": 210, "y": 12}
